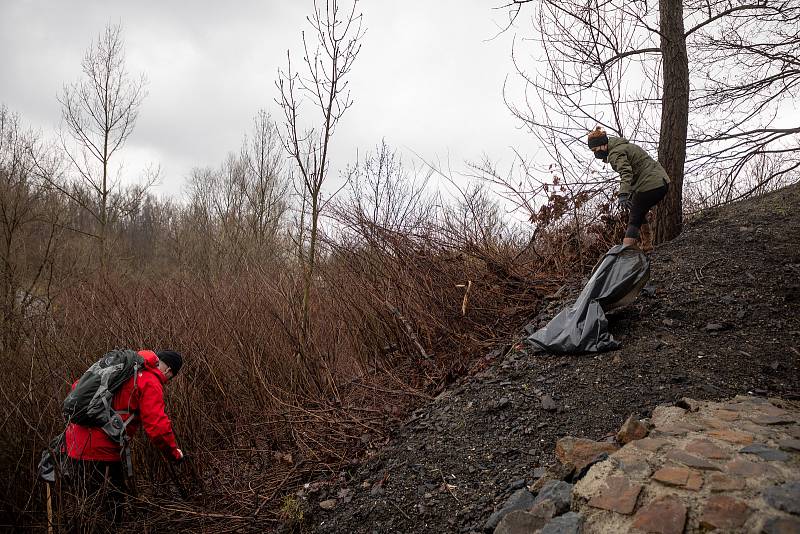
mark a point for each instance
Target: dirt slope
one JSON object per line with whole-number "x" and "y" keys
{"x": 724, "y": 319}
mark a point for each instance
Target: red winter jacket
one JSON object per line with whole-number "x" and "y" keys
{"x": 147, "y": 400}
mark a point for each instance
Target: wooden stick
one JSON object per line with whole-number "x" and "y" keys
{"x": 409, "y": 330}
{"x": 49, "y": 510}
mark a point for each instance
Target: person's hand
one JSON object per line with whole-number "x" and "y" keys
{"x": 624, "y": 201}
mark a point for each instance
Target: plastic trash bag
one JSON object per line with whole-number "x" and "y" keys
{"x": 615, "y": 282}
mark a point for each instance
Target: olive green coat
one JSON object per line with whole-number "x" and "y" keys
{"x": 638, "y": 172}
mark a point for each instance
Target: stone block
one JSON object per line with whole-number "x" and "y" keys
{"x": 706, "y": 449}
{"x": 664, "y": 516}
{"x": 724, "y": 513}
{"x": 765, "y": 453}
{"x": 789, "y": 444}
{"x": 725, "y": 415}
{"x": 636, "y": 469}
{"x": 649, "y": 444}
{"x": 767, "y": 420}
{"x": 746, "y": 468}
{"x": 781, "y": 525}
{"x": 695, "y": 481}
{"x": 672, "y": 476}
{"x": 785, "y": 497}
{"x": 619, "y": 495}
{"x": 690, "y": 461}
{"x": 732, "y": 436}
{"x": 771, "y": 409}
{"x": 580, "y": 451}
{"x": 724, "y": 483}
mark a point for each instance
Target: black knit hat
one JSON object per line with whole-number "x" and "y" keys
{"x": 173, "y": 359}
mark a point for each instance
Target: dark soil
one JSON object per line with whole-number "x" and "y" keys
{"x": 721, "y": 317}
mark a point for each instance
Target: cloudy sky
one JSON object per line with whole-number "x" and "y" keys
{"x": 428, "y": 79}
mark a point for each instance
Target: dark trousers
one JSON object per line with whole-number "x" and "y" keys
{"x": 641, "y": 204}
{"x": 97, "y": 490}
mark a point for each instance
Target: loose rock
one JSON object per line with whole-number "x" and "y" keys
{"x": 519, "y": 522}
{"x": 517, "y": 484}
{"x": 558, "y": 492}
{"x": 520, "y": 500}
{"x": 632, "y": 429}
{"x": 548, "y": 403}
{"x": 569, "y": 523}
{"x": 328, "y": 504}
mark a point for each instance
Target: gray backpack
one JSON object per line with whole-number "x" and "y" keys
{"x": 89, "y": 403}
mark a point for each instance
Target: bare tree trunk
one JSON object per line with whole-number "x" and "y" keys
{"x": 338, "y": 35}
{"x": 674, "y": 118}
{"x": 308, "y": 279}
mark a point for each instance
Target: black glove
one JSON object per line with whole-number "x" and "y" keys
{"x": 624, "y": 201}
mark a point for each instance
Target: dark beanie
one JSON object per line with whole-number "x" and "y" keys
{"x": 597, "y": 137}
{"x": 172, "y": 359}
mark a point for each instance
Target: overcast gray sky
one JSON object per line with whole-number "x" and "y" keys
{"x": 428, "y": 78}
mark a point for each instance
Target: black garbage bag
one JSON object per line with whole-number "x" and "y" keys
{"x": 615, "y": 282}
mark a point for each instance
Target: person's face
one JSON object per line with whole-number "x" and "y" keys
{"x": 600, "y": 152}
{"x": 166, "y": 369}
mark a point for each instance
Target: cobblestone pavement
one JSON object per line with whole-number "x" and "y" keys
{"x": 728, "y": 466}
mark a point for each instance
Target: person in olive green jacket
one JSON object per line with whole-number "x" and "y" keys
{"x": 643, "y": 181}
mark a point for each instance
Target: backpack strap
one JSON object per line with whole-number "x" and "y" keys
{"x": 126, "y": 455}
{"x": 126, "y": 440}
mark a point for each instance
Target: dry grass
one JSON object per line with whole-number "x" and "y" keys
{"x": 397, "y": 316}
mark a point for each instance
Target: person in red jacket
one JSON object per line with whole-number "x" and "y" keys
{"x": 97, "y": 461}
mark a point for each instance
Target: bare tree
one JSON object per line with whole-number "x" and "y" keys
{"x": 266, "y": 187}
{"x": 239, "y": 207}
{"x": 99, "y": 115}
{"x": 29, "y": 230}
{"x": 324, "y": 86}
{"x": 627, "y": 65}
{"x": 217, "y": 201}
